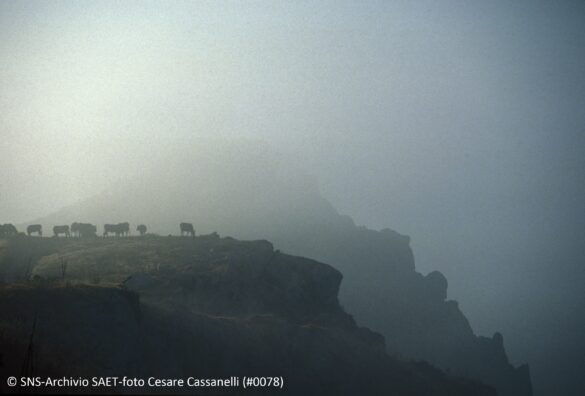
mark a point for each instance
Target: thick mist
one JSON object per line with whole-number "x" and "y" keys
{"x": 458, "y": 124}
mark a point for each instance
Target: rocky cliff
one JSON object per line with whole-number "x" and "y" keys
{"x": 382, "y": 289}
{"x": 204, "y": 307}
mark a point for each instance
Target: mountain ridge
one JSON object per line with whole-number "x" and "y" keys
{"x": 204, "y": 307}
{"x": 253, "y": 195}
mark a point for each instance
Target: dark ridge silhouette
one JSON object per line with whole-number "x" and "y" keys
{"x": 381, "y": 287}
{"x": 205, "y": 306}
{"x": 384, "y": 292}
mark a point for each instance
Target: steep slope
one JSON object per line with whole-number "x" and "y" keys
{"x": 250, "y": 194}
{"x": 384, "y": 291}
{"x": 205, "y": 307}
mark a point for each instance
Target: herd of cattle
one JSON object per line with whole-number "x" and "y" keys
{"x": 84, "y": 230}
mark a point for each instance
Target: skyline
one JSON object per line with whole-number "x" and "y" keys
{"x": 459, "y": 124}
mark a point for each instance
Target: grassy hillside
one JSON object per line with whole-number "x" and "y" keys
{"x": 206, "y": 307}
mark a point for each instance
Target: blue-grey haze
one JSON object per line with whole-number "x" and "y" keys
{"x": 460, "y": 123}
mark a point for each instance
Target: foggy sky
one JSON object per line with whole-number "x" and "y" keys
{"x": 459, "y": 123}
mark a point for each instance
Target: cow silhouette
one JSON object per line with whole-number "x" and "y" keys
{"x": 8, "y": 230}
{"x": 87, "y": 230}
{"x": 120, "y": 229}
{"x": 34, "y": 228}
{"x": 187, "y": 228}
{"x": 62, "y": 229}
{"x": 75, "y": 229}
{"x": 111, "y": 229}
{"x": 83, "y": 230}
{"x": 141, "y": 229}
{"x": 124, "y": 228}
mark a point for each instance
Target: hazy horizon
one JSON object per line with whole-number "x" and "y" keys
{"x": 458, "y": 123}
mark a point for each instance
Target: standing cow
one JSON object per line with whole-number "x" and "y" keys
{"x": 83, "y": 230}
{"x": 187, "y": 228}
{"x": 87, "y": 230}
{"x": 111, "y": 229}
{"x": 75, "y": 229}
{"x": 63, "y": 229}
{"x": 120, "y": 229}
{"x": 31, "y": 229}
{"x": 8, "y": 230}
{"x": 124, "y": 228}
{"x": 141, "y": 229}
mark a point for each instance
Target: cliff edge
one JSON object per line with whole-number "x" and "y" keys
{"x": 204, "y": 307}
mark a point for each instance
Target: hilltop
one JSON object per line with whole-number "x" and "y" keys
{"x": 203, "y": 307}
{"x": 251, "y": 193}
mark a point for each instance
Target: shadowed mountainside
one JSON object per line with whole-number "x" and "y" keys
{"x": 248, "y": 193}
{"x": 206, "y": 307}
{"x": 411, "y": 310}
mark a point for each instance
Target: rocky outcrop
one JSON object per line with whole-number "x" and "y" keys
{"x": 203, "y": 307}
{"x": 383, "y": 290}
{"x": 252, "y": 196}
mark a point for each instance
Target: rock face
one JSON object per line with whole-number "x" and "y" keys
{"x": 383, "y": 290}
{"x": 200, "y": 307}
{"x": 381, "y": 287}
